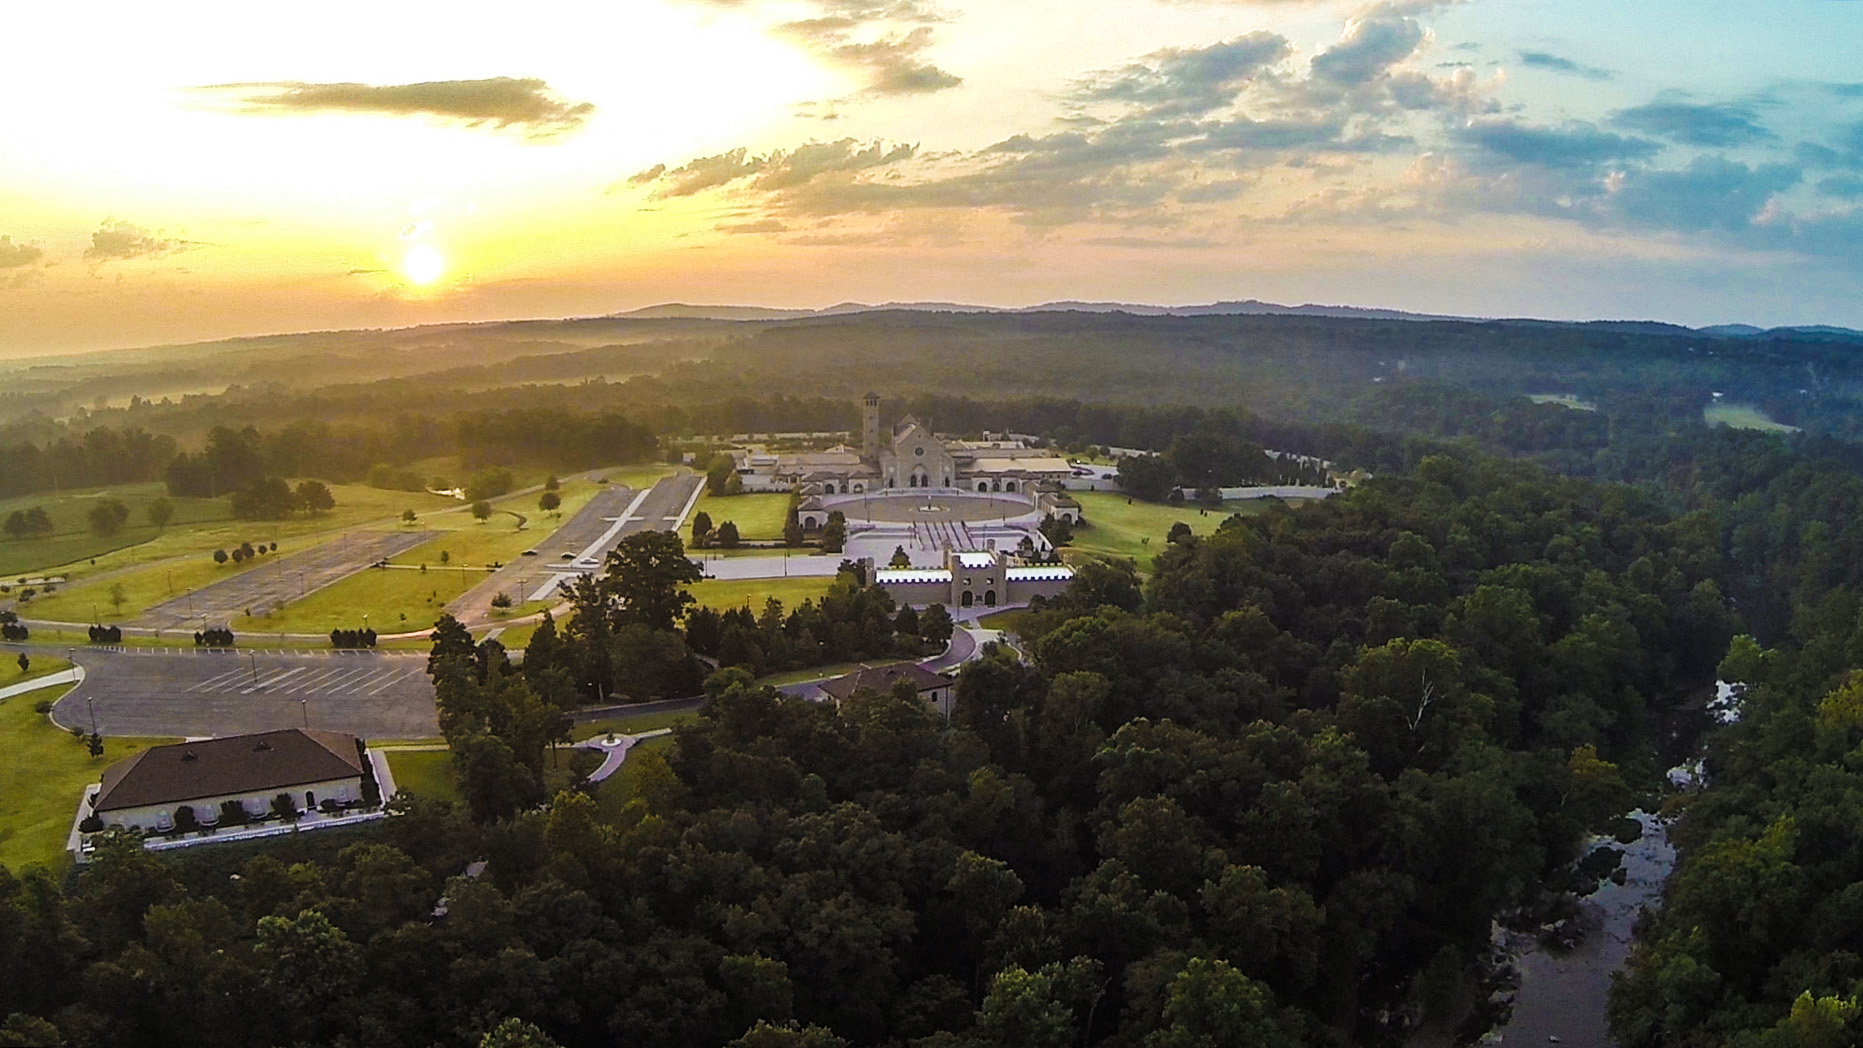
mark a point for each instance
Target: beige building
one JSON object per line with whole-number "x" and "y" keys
{"x": 934, "y": 689}
{"x": 909, "y": 455}
{"x": 148, "y": 791}
{"x": 972, "y": 579}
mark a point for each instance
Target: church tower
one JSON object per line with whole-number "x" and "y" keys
{"x": 870, "y": 428}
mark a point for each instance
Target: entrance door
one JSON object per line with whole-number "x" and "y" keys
{"x": 989, "y": 598}
{"x": 967, "y": 600}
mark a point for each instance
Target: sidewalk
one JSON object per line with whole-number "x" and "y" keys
{"x": 74, "y": 675}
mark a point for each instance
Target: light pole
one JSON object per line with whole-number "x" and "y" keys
{"x": 252, "y": 660}
{"x": 91, "y": 704}
{"x": 304, "y": 706}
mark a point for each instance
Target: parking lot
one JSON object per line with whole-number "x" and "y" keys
{"x": 154, "y": 691}
{"x": 276, "y": 582}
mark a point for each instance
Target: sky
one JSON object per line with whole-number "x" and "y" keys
{"x": 194, "y": 170}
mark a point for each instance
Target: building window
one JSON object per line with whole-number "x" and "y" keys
{"x": 919, "y": 451}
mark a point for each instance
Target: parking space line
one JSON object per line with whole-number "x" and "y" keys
{"x": 268, "y": 682}
{"x": 213, "y": 680}
{"x": 390, "y": 682}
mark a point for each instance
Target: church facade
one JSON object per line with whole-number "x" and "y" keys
{"x": 907, "y": 455}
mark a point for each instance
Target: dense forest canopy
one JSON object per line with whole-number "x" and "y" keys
{"x": 1272, "y": 787}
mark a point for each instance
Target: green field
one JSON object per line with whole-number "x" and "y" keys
{"x": 143, "y": 588}
{"x": 43, "y": 771}
{"x": 630, "y": 725}
{"x": 355, "y": 505}
{"x": 1742, "y": 416}
{"x": 725, "y": 594}
{"x": 73, "y": 541}
{"x": 497, "y": 539}
{"x": 759, "y": 518}
{"x": 425, "y": 773}
{"x": 640, "y": 477}
{"x": 1118, "y": 527}
{"x": 395, "y": 600}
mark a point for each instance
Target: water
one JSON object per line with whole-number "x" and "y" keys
{"x": 1562, "y": 996}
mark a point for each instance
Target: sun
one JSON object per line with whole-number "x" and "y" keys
{"x": 423, "y": 264}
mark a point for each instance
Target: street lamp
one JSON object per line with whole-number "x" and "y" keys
{"x": 252, "y": 659}
{"x": 304, "y": 705}
{"x": 91, "y": 703}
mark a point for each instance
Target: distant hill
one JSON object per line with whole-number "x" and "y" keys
{"x": 1244, "y": 307}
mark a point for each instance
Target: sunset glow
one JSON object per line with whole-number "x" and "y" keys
{"x": 1530, "y": 158}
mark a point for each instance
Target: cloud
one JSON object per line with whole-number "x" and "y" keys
{"x": 1849, "y": 187}
{"x": 761, "y": 225}
{"x": 1717, "y": 125}
{"x": 1374, "y": 40}
{"x": 14, "y": 256}
{"x": 117, "y": 241}
{"x": 1556, "y": 64}
{"x": 1712, "y": 193}
{"x": 1577, "y": 145}
{"x": 500, "y": 102}
{"x": 775, "y": 172}
{"x": 891, "y": 61}
{"x": 1189, "y": 81}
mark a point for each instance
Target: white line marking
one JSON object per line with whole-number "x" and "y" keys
{"x": 615, "y": 528}
{"x": 358, "y": 685}
{"x": 270, "y": 681}
{"x": 397, "y": 678}
{"x": 198, "y": 685}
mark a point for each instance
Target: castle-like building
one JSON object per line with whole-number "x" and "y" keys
{"x": 910, "y": 455}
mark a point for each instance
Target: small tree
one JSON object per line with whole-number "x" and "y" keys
{"x": 314, "y": 496}
{"x": 408, "y": 516}
{"x": 900, "y": 558}
{"x": 185, "y": 820}
{"x": 16, "y": 524}
{"x": 701, "y": 529}
{"x": 96, "y": 747}
{"x": 219, "y": 556}
{"x": 550, "y": 483}
{"x": 501, "y": 600}
{"x": 160, "y": 512}
{"x": 481, "y": 510}
{"x": 25, "y": 664}
{"x": 117, "y": 596}
{"x": 834, "y": 536}
{"x": 445, "y": 557}
{"x": 727, "y": 535}
{"x": 107, "y": 517}
{"x": 935, "y": 624}
{"x": 285, "y": 808}
{"x": 549, "y": 501}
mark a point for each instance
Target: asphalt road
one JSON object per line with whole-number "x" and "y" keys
{"x": 275, "y": 583}
{"x": 155, "y": 691}
{"x": 587, "y": 537}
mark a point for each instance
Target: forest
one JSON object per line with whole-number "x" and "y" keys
{"x": 1272, "y": 787}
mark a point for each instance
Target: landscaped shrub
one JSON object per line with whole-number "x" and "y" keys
{"x": 285, "y": 808}
{"x": 233, "y": 813}
{"x": 185, "y": 821}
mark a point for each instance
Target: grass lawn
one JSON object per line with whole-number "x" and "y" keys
{"x": 497, "y": 539}
{"x": 725, "y": 594}
{"x": 43, "y": 771}
{"x": 1136, "y": 530}
{"x": 630, "y": 725}
{"x": 395, "y": 599}
{"x": 1007, "y": 621}
{"x": 614, "y": 793}
{"x": 72, "y": 539}
{"x": 640, "y": 477}
{"x": 143, "y": 588}
{"x": 1742, "y": 416}
{"x": 758, "y": 517}
{"x": 833, "y": 669}
{"x": 355, "y": 505}
{"x": 426, "y": 773}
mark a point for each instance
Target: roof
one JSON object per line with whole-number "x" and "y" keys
{"x": 816, "y": 459}
{"x": 977, "y": 561}
{"x": 882, "y": 679}
{"x": 236, "y": 764}
{"x": 1007, "y": 464}
{"x": 1055, "y": 573}
{"x": 904, "y": 575}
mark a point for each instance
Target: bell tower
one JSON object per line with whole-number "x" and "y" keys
{"x": 870, "y": 428}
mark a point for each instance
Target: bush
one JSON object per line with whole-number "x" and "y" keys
{"x": 217, "y": 637}
{"x": 106, "y": 634}
{"x": 185, "y": 820}
{"x": 285, "y": 808}
{"x": 233, "y": 813}
{"x": 91, "y": 824}
{"x": 501, "y": 600}
{"x": 363, "y": 638}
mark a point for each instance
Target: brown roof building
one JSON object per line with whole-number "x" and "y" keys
{"x": 235, "y": 766}
{"x": 934, "y": 688}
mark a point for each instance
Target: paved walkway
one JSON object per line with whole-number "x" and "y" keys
{"x": 614, "y": 753}
{"x": 74, "y": 675}
{"x": 801, "y": 565}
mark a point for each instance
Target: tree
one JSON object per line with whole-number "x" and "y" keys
{"x": 515, "y": 1033}
{"x": 408, "y": 516}
{"x": 1149, "y": 477}
{"x": 117, "y": 596}
{"x": 902, "y": 560}
{"x": 16, "y": 524}
{"x": 1059, "y": 531}
{"x": 719, "y": 473}
{"x": 25, "y": 663}
{"x": 315, "y": 497}
{"x": 550, "y": 483}
{"x": 38, "y": 522}
{"x": 935, "y": 625}
{"x": 645, "y": 580}
{"x": 549, "y": 501}
{"x": 160, "y": 512}
{"x": 108, "y": 516}
{"x": 219, "y": 556}
{"x": 481, "y": 510}
{"x": 834, "y": 534}
{"x": 701, "y": 529}
{"x": 264, "y": 498}
{"x": 727, "y": 535}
